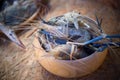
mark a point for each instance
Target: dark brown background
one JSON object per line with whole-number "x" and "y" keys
{"x": 18, "y": 64}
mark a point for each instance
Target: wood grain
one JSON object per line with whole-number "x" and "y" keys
{"x": 18, "y": 64}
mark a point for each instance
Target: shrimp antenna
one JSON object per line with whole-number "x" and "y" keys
{"x": 99, "y": 23}
{"x": 43, "y": 21}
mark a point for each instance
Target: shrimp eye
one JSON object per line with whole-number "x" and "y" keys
{"x": 11, "y": 33}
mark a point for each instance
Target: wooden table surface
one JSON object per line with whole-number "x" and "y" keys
{"x": 20, "y": 64}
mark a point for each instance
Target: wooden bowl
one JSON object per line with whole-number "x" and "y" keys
{"x": 71, "y": 68}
